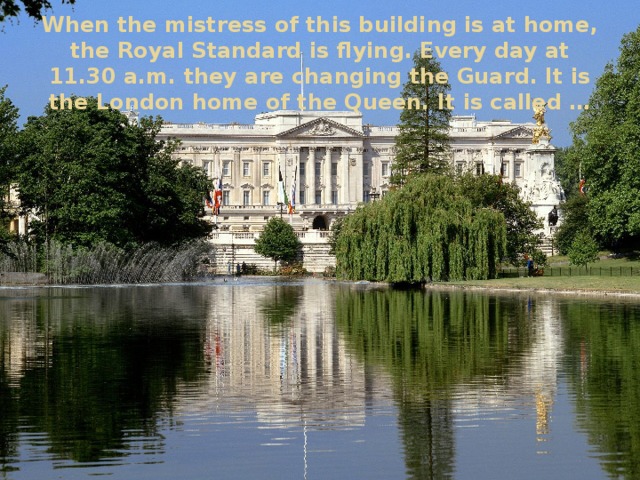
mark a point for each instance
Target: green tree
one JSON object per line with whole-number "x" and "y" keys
{"x": 33, "y": 8}
{"x": 575, "y": 218}
{"x": 427, "y": 230}
{"x": 607, "y": 141}
{"x": 278, "y": 241}
{"x": 90, "y": 176}
{"x": 422, "y": 143}
{"x": 489, "y": 191}
{"x": 568, "y": 169}
{"x": 8, "y": 134}
{"x": 583, "y": 250}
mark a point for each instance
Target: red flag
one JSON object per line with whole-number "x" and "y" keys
{"x": 217, "y": 197}
{"x": 582, "y": 186}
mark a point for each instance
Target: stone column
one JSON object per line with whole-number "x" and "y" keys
{"x": 236, "y": 178}
{"x": 357, "y": 180}
{"x": 491, "y": 152}
{"x": 512, "y": 165}
{"x": 311, "y": 176}
{"x": 256, "y": 173}
{"x": 326, "y": 175}
{"x": 345, "y": 177}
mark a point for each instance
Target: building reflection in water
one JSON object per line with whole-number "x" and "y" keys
{"x": 277, "y": 349}
{"x": 530, "y": 377}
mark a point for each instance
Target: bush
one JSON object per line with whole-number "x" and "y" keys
{"x": 583, "y": 250}
{"x": 292, "y": 269}
{"x": 329, "y": 272}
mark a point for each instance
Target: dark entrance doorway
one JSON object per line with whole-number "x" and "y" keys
{"x": 319, "y": 223}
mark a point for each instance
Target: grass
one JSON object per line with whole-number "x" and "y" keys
{"x": 581, "y": 283}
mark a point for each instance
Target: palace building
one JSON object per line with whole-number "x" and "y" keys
{"x": 331, "y": 161}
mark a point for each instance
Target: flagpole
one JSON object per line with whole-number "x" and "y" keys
{"x": 301, "y": 83}
{"x": 292, "y": 200}
{"x": 217, "y": 196}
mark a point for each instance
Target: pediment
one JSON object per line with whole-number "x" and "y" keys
{"x": 517, "y": 132}
{"x": 323, "y": 128}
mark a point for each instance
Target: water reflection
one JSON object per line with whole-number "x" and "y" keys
{"x": 603, "y": 359}
{"x": 270, "y": 379}
{"x": 93, "y": 368}
{"x": 279, "y": 352}
{"x": 439, "y": 348}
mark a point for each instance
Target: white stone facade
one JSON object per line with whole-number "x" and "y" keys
{"x": 342, "y": 162}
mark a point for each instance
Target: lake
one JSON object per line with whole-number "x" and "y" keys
{"x": 264, "y": 378}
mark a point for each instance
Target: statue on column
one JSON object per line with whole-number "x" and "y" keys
{"x": 540, "y": 130}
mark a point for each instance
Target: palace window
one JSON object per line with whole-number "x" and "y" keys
{"x": 302, "y": 169}
{"x": 334, "y": 197}
{"x": 246, "y": 198}
{"x": 518, "y": 169}
{"x": 318, "y": 169}
{"x": 265, "y": 169}
{"x": 318, "y": 197}
{"x": 265, "y": 197}
{"x": 505, "y": 169}
{"x": 385, "y": 169}
{"x": 245, "y": 169}
{"x": 334, "y": 169}
{"x": 479, "y": 168}
{"x": 459, "y": 168}
{"x": 225, "y": 197}
{"x": 302, "y": 202}
{"x": 206, "y": 166}
{"x": 226, "y": 168}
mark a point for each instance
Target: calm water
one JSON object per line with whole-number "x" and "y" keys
{"x": 264, "y": 379}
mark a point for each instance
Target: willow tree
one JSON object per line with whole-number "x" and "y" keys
{"x": 422, "y": 143}
{"x": 427, "y": 230}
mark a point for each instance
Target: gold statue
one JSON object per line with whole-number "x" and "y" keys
{"x": 540, "y": 130}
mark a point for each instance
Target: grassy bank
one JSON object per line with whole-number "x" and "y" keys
{"x": 580, "y": 283}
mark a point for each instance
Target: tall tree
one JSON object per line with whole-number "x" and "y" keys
{"x": 422, "y": 143}
{"x": 607, "y": 141}
{"x": 33, "y": 8}
{"x": 575, "y": 219}
{"x": 90, "y": 176}
{"x": 8, "y": 133}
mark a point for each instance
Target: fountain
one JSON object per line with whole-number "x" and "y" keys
{"x": 107, "y": 264}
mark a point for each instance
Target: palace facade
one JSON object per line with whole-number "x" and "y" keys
{"x": 331, "y": 161}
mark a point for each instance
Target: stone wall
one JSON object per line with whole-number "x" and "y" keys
{"x": 233, "y": 248}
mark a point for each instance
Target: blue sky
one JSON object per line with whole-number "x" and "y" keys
{"x": 29, "y": 54}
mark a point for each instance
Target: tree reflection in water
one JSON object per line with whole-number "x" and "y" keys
{"x": 431, "y": 343}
